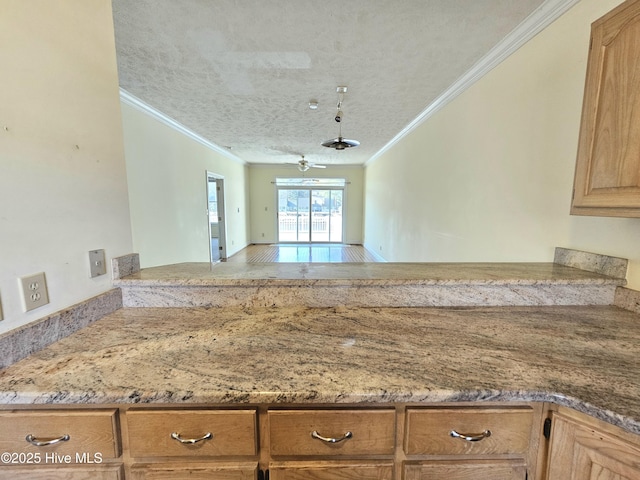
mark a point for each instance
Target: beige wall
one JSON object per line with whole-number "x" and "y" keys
{"x": 489, "y": 177}
{"x": 263, "y": 199}
{"x": 63, "y": 186}
{"x": 166, "y": 172}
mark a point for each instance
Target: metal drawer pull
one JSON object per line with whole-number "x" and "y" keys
{"x": 49, "y": 441}
{"x": 191, "y": 441}
{"x": 471, "y": 437}
{"x": 317, "y": 436}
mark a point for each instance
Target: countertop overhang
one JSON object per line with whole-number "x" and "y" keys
{"x": 584, "y": 357}
{"x": 363, "y": 274}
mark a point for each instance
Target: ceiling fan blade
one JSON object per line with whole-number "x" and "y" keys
{"x": 317, "y": 166}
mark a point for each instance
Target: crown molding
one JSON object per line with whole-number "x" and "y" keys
{"x": 135, "y": 102}
{"x": 537, "y": 21}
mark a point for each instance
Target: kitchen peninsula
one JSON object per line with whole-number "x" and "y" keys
{"x": 383, "y": 371}
{"x": 581, "y": 357}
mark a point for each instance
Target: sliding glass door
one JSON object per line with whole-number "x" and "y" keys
{"x": 310, "y": 215}
{"x": 326, "y": 216}
{"x": 293, "y": 215}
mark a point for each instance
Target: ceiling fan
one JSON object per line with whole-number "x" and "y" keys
{"x": 304, "y": 165}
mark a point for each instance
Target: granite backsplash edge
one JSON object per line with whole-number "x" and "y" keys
{"x": 23, "y": 341}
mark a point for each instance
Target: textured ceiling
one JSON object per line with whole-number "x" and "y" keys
{"x": 241, "y": 73}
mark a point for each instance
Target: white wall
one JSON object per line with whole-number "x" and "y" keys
{"x": 63, "y": 186}
{"x": 264, "y": 201}
{"x": 489, "y": 177}
{"x": 166, "y": 172}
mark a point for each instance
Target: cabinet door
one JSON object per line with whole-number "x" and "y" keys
{"x": 607, "y": 180}
{"x": 580, "y": 452}
{"x": 466, "y": 470}
{"x": 331, "y": 470}
{"x": 177, "y": 471}
{"x": 62, "y": 473}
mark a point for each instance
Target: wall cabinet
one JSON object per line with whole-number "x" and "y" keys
{"x": 580, "y": 447}
{"x": 607, "y": 177}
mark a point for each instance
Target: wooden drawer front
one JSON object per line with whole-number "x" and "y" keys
{"x": 90, "y": 432}
{"x": 233, "y": 432}
{"x": 331, "y": 471}
{"x": 63, "y": 473}
{"x": 373, "y": 432}
{"x": 467, "y": 470}
{"x": 428, "y": 430}
{"x": 236, "y": 471}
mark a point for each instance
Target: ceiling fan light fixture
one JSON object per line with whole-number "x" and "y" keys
{"x": 340, "y": 143}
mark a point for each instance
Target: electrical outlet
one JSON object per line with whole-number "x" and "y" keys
{"x": 34, "y": 291}
{"x": 98, "y": 265}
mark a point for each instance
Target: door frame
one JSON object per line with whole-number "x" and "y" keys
{"x": 218, "y": 180}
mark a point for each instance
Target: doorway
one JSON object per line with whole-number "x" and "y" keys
{"x": 310, "y": 215}
{"x": 216, "y": 218}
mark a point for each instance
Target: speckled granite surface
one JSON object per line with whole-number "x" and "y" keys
{"x": 365, "y": 284}
{"x": 363, "y": 273}
{"x": 587, "y": 358}
{"x": 592, "y": 262}
{"x": 125, "y": 265}
{"x": 21, "y": 342}
{"x": 627, "y": 299}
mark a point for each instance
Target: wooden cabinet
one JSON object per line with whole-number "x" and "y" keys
{"x": 321, "y": 444}
{"x": 331, "y": 470}
{"x": 607, "y": 177}
{"x": 191, "y": 432}
{"x": 63, "y": 473}
{"x": 403, "y": 442}
{"x": 191, "y": 471}
{"x": 60, "y": 444}
{"x": 332, "y": 432}
{"x": 463, "y": 443}
{"x": 583, "y": 448}
{"x": 196, "y": 444}
{"x": 467, "y": 470}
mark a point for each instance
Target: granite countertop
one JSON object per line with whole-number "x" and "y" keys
{"x": 336, "y": 274}
{"x": 587, "y": 358}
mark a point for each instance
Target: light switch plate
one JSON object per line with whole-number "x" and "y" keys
{"x": 34, "y": 291}
{"x": 97, "y": 262}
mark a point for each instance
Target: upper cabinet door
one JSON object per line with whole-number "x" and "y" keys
{"x": 607, "y": 180}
